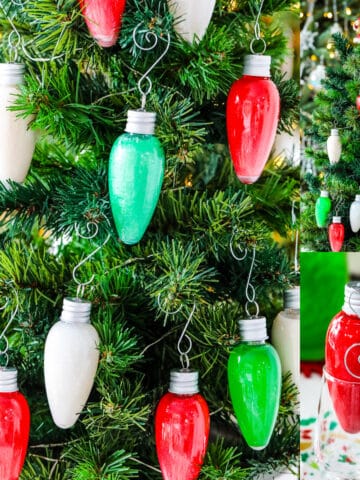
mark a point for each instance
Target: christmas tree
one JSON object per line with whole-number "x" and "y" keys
{"x": 335, "y": 109}
{"x": 76, "y": 95}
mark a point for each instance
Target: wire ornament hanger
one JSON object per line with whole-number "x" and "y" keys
{"x": 250, "y": 293}
{"x": 4, "y": 350}
{"x": 184, "y": 354}
{"x": 81, "y": 285}
{"x": 257, "y": 33}
{"x": 296, "y": 253}
{"x": 14, "y": 46}
{"x": 152, "y": 39}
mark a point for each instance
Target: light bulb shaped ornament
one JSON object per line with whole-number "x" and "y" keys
{"x": 336, "y": 234}
{"x": 342, "y": 353}
{"x": 252, "y": 115}
{"x": 103, "y": 19}
{"x": 182, "y": 425}
{"x": 322, "y": 209}
{"x": 285, "y": 334}
{"x": 355, "y": 214}
{"x": 333, "y": 145}
{"x": 70, "y": 362}
{"x": 17, "y": 140}
{"x": 358, "y": 102}
{"x": 136, "y": 173}
{"x": 254, "y": 375}
{"x": 191, "y": 19}
{"x": 14, "y": 425}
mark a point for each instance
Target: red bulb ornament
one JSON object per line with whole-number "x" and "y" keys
{"x": 182, "y": 425}
{"x": 358, "y": 102}
{"x": 103, "y": 19}
{"x": 252, "y": 115}
{"x": 336, "y": 234}
{"x": 342, "y": 353}
{"x": 14, "y": 425}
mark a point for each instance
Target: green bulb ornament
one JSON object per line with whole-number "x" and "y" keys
{"x": 136, "y": 173}
{"x": 322, "y": 209}
{"x": 254, "y": 375}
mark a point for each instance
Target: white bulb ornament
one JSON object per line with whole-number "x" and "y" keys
{"x": 191, "y": 17}
{"x": 355, "y": 214}
{"x": 333, "y": 145}
{"x": 70, "y": 362}
{"x": 285, "y": 334}
{"x": 17, "y": 140}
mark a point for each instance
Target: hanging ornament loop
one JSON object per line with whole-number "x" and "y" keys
{"x": 257, "y": 34}
{"x": 3, "y": 339}
{"x": 250, "y": 290}
{"x": 296, "y": 253}
{"x": 14, "y": 44}
{"x": 244, "y": 251}
{"x": 164, "y": 310}
{"x": 152, "y": 39}
{"x": 89, "y": 226}
{"x": 184, "y": 354}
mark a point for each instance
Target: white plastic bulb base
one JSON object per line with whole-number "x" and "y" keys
{"x": 191, "y": 18}
{"x": 354, "y": 215}
{"x": 333, "y": 145}
{"x": 336, "y": 219}
{"x": 253, "y": 329}
{"x": 8, "y": 380}
{"x": 70, "y": 362}
{"x": 352, "y": 298}
{"x": 139, "y": 121}
{"x": 257, "y": 65}
{"x": 324, "y": 193}
{"x": 17, "y": 140}
{"x": 292, "y": 298}
{"x": 184, "y": 381}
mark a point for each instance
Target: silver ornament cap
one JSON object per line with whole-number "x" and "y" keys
{"x": 8, "y": 380}
{"x": 352, "y": 298}
{"x": 141, "y": 122}
{"x": 253, "y": 329}
{"x": 184, "y": 381}
{"x": 324, "y": 193}
{"x": 292, "y": 298}
{"x": 75, "y": 310}
{"x": 336, "y": 219}
{"x": 334, "y": 132}
{"x": 12, "y": 73}
{"x": 257, "y": 65}
{"x": 357, "y": 197}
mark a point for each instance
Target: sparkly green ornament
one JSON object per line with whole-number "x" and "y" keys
{"x": 136, "y": 173}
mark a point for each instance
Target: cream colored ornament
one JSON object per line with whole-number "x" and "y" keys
{"x": 334, "y": 147}
{"x": 70, "y": 363}
{"x": 191, "y": 17}
{"x": 355, "y": 214}
{"x": 285, "y": 334}
{"x": 17, "y": 140}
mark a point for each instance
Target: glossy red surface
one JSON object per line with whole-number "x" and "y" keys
{"x": 252, "y": 115}
{"x": 342, "y": 353}
{"x": 336, "y": 236}
{"x": 103, "y": 19}
{"x": 14, "y": 434}
{"x": 182, "y": 426}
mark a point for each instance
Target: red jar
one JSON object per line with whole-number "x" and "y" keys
{"x": 342, "y": 360}
{"x": 336, "y": 234}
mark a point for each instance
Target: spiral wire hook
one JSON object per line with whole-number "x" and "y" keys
{"x": 3, "y": 352}
{"x": 250, "y": 290}
{"x": 184, "y": 354}
{"x": 257, "y": 33}
{"x": 82, "y": 285}
{"x": 150, "y": 37}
